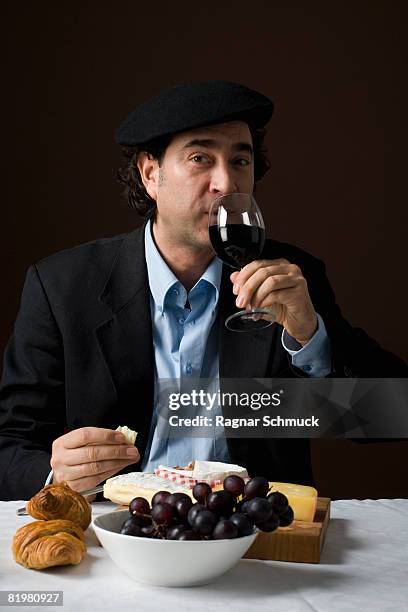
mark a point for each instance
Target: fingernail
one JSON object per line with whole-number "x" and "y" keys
{"x": 240, "y": 301}
{"x": 132, "y": 451}
{"x": 119, "y": 437}
{"x": 235, "y": 289}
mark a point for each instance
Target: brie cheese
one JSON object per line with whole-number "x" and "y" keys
{"x": 215, "y": 470}
{"x": 123, "y": 488}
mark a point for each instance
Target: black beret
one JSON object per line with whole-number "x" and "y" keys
{"x": 193, "y": 105}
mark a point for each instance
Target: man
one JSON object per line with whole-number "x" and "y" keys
{"x": 101, "y": 324}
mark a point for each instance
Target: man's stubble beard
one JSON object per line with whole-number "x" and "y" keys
{"x": 189, "y": 237}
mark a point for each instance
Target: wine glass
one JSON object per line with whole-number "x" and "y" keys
{"x": 237, "y": 234}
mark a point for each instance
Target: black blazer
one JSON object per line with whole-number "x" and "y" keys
{"x": 82, "y": 354}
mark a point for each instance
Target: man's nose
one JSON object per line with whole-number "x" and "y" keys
{"x": 223, "y": 180}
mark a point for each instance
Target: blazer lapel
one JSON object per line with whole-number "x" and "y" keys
{"x": 125, "y": 337}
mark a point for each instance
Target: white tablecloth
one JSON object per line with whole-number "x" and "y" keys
{"x": 364, "y": 566}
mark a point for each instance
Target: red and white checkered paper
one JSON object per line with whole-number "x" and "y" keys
{"x": 185, "y": 481}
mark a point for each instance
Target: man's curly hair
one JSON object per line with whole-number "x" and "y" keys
{"x": 129, "y": 175}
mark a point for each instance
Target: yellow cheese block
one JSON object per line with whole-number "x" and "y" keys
{"x": 303, "y": 499}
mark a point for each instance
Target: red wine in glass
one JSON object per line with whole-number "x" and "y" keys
{"x": 237, "y": 244}
{"x": 237, "y": 234}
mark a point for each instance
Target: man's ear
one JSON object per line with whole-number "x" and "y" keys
{"x": 149, "y": 172}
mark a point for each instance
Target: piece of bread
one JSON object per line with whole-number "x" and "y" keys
{"x": 59, "y": 501}
{"x": 129, "y": 434}
{"x": 44, "y": 544}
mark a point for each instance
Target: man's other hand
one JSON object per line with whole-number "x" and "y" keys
{"x": 87, "y": 456}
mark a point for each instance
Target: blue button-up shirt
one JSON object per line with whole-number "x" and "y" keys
{"x": 314, "y": 357}
{"x": 185, "y": 346}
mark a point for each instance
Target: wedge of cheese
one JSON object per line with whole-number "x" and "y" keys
{"x": 123, "y": 488}
{"x": 303, "y": 499}
{"x": 215, "y": 470}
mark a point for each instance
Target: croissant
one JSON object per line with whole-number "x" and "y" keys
{"x": 44, "y": 544}
{"x": 59, "y": 501}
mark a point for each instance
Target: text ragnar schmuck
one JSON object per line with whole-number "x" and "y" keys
{"x": 210, "y": 401}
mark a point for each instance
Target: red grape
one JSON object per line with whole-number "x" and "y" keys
{"x": 286, "y": 518}
{"x": 201, "y": 491}
{"x": 244, "y": 525}
{"x": 279, "y": 502}
{"x": 140, "y": 505}
{"x": 192, "y": 513}
{"x": 270, "y": 525}
{"x": 225, "y": 530}
{"x": 163, "y": 513}
{"x": 234, "y": 484}
{"x": 182, "y": 507}
{"x": 220, "y": 502}
{"x": 131, "y": 528}
{"x": 259, "y": 509}
{"x": 174, "y": 497}
{"x": 256, "y": 487}
{"x": 160, "y": 497}
{"x": 204, "y": 522}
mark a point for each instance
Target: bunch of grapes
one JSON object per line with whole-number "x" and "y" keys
{"x": 237, "y": 510}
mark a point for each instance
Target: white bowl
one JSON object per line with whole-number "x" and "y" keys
{"x": 167, "y": 562}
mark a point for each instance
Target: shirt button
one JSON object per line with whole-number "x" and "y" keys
{"x": 181, "y": 321}
{"x": 307, "y": 368}
{"x": 189, "y": 368}
{"x": 175, "y": 291}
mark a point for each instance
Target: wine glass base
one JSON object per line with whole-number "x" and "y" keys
{"x": 250, "y": 320}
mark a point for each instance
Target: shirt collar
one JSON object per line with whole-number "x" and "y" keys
{"x": 162, "y": 279}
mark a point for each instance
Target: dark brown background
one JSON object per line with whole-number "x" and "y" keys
{"x": 337, "y": 75}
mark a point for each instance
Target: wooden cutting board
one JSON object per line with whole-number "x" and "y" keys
{"x": 301, "y": 541}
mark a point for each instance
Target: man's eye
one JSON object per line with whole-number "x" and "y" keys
{"x": 242, "y": 161}
{"x": 199, "y": 158}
